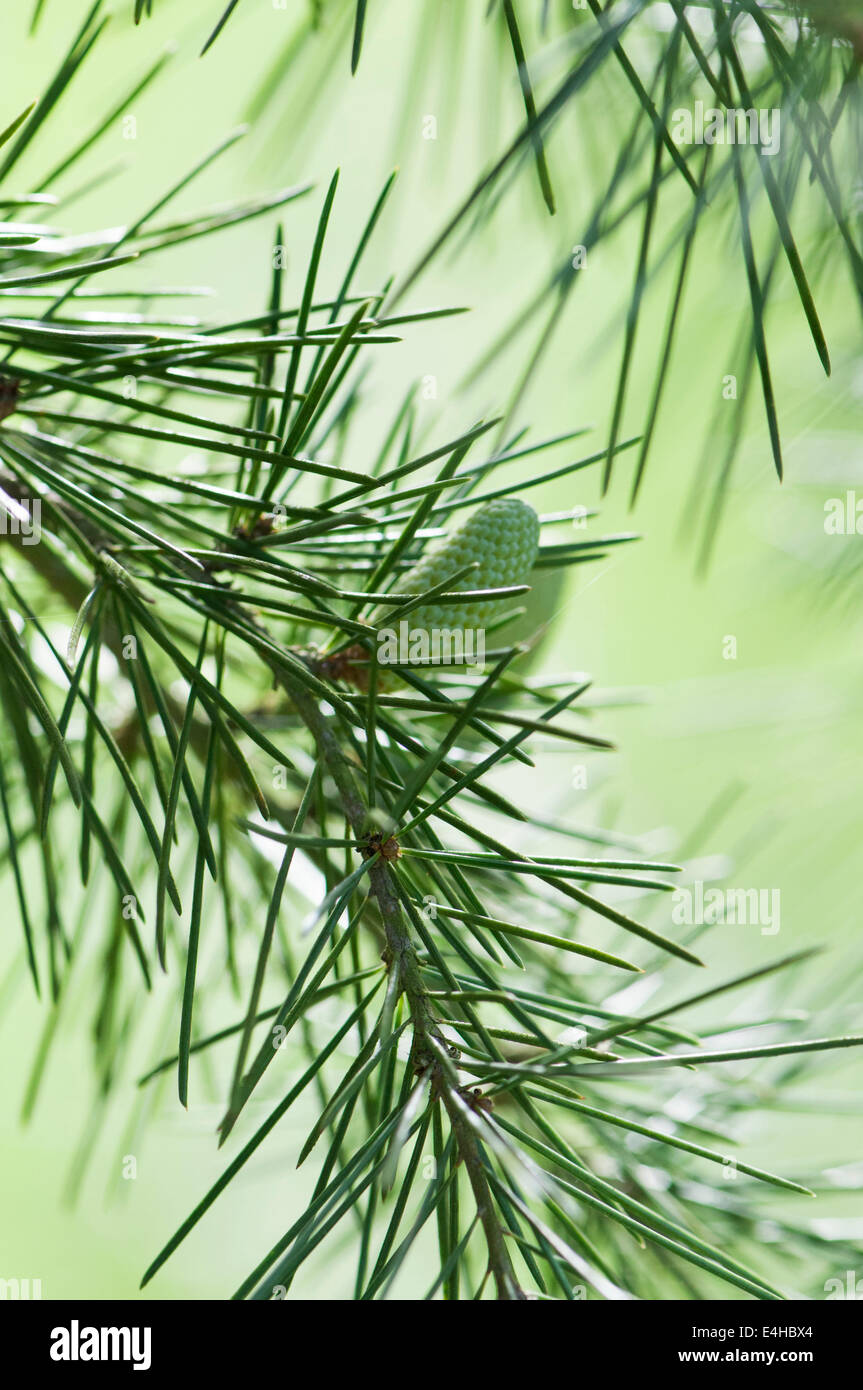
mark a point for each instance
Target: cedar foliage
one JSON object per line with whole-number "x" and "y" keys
{"x": 213, "y": 544}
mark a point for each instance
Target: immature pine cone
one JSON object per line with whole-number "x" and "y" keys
{"x": 502, "y": 537}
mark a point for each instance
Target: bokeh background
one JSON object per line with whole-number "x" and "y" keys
{"x": 755, "y": 760}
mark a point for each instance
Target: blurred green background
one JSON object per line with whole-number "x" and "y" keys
{"x": 774, "y": 731}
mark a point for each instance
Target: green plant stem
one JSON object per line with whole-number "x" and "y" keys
{"x": 499, "y": 1262}
{"x": 402, "y": 957}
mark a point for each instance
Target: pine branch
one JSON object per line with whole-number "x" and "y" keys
{"x": 217, "y": 532}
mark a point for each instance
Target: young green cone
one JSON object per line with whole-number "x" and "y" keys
{"x": 502, "y": 538}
